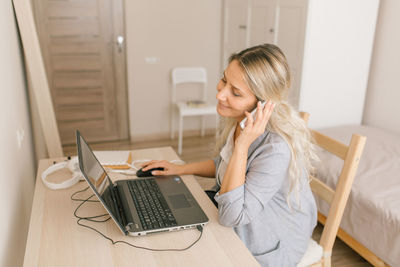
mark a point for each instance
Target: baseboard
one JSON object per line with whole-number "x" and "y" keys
{"x": 167, "y": 135}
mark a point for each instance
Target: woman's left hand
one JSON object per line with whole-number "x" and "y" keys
{"x": 255, "y": 128}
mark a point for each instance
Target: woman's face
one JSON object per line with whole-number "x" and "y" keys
{"x": 234, "y": 96}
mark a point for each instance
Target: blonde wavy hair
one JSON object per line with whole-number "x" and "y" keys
{"x": 267, "y": 74}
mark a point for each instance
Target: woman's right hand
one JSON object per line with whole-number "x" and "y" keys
{"x": 169, "y": 168}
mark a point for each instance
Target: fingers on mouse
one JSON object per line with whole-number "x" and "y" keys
{"x": 147, "y": 173}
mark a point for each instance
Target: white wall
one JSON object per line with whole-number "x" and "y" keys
{"x": 338, "y": 48}
{"x": 179, "y": 33}
{"x": 17, "y": 164}
{"x": 382, "y": 105}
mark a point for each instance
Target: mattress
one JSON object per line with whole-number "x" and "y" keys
{"x": 372, "y": 213}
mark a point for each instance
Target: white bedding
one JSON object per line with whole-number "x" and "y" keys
{"x": 372, "y": 214}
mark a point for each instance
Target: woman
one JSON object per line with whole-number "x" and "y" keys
{"x": 261, "y": 171}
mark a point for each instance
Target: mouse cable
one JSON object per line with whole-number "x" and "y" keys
{"x": 83, "y": 201}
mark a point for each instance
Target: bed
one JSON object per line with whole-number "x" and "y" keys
{"x": 372, "y": 213}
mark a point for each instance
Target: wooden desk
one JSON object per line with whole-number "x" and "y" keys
{"x": 55, "y": 239}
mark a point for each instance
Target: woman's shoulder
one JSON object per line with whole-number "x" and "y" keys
{"x": 276, "y": 143}
{"x": 271, "y": 154}
{"x": 272, "y": 144}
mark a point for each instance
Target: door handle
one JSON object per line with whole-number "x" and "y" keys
{"x": 120, "y": 42}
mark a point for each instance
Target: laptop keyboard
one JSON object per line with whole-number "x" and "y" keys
{"x": 151, "y": 206}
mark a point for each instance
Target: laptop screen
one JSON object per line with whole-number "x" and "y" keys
{"x": 93, "y": 169}
{"x": 96, "y": 176}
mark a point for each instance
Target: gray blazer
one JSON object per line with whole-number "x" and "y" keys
{"x": 276, "y": 234}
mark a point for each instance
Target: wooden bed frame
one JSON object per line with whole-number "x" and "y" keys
{"x": 355, "y": 245}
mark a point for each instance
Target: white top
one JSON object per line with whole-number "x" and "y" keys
{"x": 226, "y": 153}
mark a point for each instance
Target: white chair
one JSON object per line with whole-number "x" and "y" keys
{"x": 181, "y": 76}
{"x": 320, "y": 254}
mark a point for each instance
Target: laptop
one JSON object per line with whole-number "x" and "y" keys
{"x": 141, "y": 206}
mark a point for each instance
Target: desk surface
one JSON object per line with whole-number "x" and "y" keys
{"x": 55, "y": 239}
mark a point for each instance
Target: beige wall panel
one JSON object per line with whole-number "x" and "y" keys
{"x": 77, "y": 80}
{"x": 178, "y": 33}
{"x": 17, "y": 161}
{"x": 82, "y": 26}
{"x": 77, "y": 3}
{"x": 76, "y": 63}
{"x": 74, "y": 48}
{"x": 79, "y": 97}
{"x": 382, "y": 107}
{"x": 92, "y": 111}
{"x": 65, "y": 12}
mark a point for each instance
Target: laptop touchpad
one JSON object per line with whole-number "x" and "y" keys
{"x": 179, "y": 201}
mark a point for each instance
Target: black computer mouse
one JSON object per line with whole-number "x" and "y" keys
{"x": 147, "y": 173}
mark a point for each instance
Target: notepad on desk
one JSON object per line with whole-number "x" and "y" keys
{"x": 115, "y": 159}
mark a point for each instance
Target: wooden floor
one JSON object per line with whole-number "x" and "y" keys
{"x": 202, "y": 148}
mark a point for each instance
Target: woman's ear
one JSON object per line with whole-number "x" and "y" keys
{"x": 252, "y": 107}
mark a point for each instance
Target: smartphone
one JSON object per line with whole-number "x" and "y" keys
{"x": 253, "y": 113}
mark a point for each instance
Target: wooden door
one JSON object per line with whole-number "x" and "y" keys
{"x": 85, "y": 66}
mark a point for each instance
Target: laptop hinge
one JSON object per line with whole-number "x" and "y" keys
{"x": 121, "y": 213}
{"x": 128, "y": 222}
